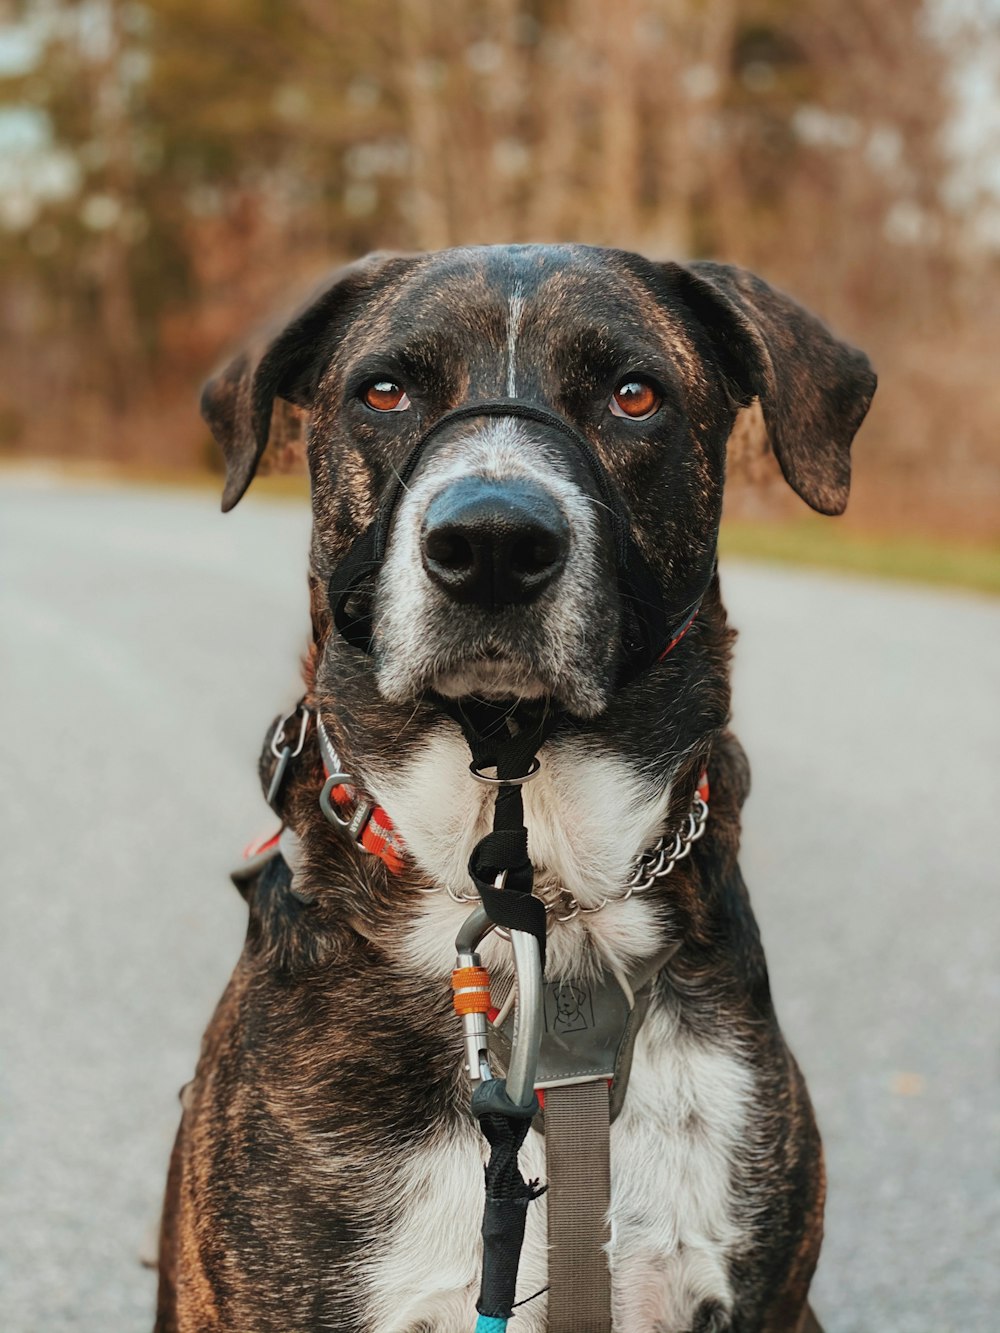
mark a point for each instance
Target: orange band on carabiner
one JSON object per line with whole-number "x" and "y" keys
{"x": 469, "y": 976}
{"x": 472, "y": 990}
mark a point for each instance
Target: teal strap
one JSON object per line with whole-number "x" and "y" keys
{"x": 487, "y": 1323}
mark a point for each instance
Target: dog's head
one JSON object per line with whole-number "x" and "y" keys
{"x": 499, "y": 573}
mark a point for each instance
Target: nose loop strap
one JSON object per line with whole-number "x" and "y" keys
{"x": 367, "y": 553}
{"x": 522, "y": 410}
{"x": 648, "y": 624}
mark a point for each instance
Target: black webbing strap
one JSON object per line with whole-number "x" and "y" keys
{"x": 506, "y": 739}
{"x": 507, "y": 1197}
{"x": 578, "y": 1166}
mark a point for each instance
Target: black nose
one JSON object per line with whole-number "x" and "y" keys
{"x": 494, "y": 543}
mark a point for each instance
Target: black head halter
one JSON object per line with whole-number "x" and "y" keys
{"x": 503, "y": 736}
{"x": 649, "y": 623}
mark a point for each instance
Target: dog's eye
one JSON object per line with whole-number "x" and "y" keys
{"x": 385, "y": 396}
{"x": 634, "y": 398}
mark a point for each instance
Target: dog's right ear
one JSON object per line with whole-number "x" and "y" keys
{"x": 238, "y": 401}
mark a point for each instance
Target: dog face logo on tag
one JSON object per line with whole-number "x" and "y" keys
{"x": 569, "y": 1007}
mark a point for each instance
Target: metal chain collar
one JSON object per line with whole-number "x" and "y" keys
{"x": 653, "y": 865}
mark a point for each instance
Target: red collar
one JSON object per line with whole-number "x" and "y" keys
{"x": 368, "y": 824}
{"x": 680, "y": 633}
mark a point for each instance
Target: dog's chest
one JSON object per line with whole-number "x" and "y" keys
{"x": 674, "y": 1217}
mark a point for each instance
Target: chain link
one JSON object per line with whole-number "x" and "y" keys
{"x": 654, "y": 864}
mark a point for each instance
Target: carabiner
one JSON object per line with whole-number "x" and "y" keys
{"x": 519, "y": 1085}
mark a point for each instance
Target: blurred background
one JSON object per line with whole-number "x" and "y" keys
{"x": 174, "y": 172}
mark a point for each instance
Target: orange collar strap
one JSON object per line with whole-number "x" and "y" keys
{"x": 366, "y": 823}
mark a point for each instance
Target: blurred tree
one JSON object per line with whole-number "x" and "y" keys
{"x": 190, "y": 163}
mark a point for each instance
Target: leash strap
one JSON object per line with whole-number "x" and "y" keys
{"x": 578, "y": 1165}
{"x": 507, "y": 740}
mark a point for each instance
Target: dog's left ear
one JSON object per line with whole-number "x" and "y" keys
{"x": 814, "y": 390}
{"x": 238, "y": 401}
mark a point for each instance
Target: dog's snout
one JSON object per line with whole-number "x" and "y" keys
{"x": 493, "y": 543}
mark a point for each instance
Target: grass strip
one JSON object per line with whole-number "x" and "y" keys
{"x": 824, "y": 544}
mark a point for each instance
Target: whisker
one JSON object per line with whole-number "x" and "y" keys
{"x": 416, "y": 706}
{"x": 598, "y": 504}
{"x": 638, "y": 601}
{"x": 395, "y": 473}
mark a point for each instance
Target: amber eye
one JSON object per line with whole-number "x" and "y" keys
{"x": 385, "y": 396}
{"x": 634, "y": 398}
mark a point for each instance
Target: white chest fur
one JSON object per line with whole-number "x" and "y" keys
{"x": 588, "y": 817}
{"x": 674, "y": 1220}
{"x": 587, "y": 812}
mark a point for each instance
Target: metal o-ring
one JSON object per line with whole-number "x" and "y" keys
{"x": 532, "y": 772}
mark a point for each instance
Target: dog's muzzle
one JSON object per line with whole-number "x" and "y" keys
{"x": 491, "y": 549}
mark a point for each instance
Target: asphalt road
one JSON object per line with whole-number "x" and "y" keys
{"x": 145, "y": 641}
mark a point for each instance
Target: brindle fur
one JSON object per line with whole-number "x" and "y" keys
{"x": 324, "y": 1055}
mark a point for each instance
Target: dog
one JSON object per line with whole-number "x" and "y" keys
{"x": 327, "y": 1173}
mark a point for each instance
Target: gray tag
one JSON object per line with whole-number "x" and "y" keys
{"x": 589, "y": 1030}
{"x": 585, "y": 1023}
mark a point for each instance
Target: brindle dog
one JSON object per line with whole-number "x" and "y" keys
{"x": 326, "y": 1173}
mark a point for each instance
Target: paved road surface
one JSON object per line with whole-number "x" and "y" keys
{"x": 146, "y": 641}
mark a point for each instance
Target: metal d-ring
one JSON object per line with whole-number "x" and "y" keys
{"x": 480, "y": 776}
{"x": 357, "y": 821}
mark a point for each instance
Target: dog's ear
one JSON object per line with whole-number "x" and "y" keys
{"x": 238, "y": 401}
{"x": 814, "y": 390}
